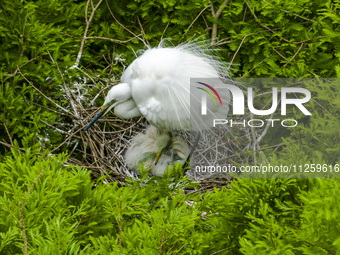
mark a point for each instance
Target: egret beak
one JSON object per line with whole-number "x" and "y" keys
{"x": 158, "y": 155}
{"x": 101, "y": 112}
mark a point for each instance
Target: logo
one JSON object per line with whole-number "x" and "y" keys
{"x": 238, "y": 101}
{"x": 213, "y": 90}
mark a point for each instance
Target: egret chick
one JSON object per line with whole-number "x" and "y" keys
{"x": 156, "y": 149}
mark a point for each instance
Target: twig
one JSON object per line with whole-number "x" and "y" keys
{"x": 46, "y": 96}
{"x": 258, "y": 140}
{"x": 9, "y": 136}
{"x": 88, "y": 22}
{"x": 59, "y": 130}
{"x": 166, "y": 27}
{"x": 120, "y": 228}
{"x": 215, "y": 17}
{"x": 10, "y": 146}
{"x": 23, "y": 228}
{"x": 294, "y": 55}
{"x": 220, "y": 251}
{"x": 195, "y": 20}
{"x": 322, "y": 107}
{"x": 291, "y": 13}
{"x": 232, "y": 60}
{"x": 255, "y": 67}
{"x": 160, "y": 248}
{"x": 68, "y": 138}
{"x": 173, "y": 245}
{"x": 180, "y": 249}
{"x": 143, "y": 33}
{"x": 280, "y": 54}
{"x": 120, "y": 23}
{"x": 60, "y": 113}
{"x": 275, "y": 35}
{"x": 110, "y": 39}
{"x": 319, "y": 247}
{"x": 36, "y": 179}
{"x": 84, "y": 216}
{"x": 66, "y": 87}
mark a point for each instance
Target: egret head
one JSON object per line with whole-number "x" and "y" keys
{"x": 118, "y": 94}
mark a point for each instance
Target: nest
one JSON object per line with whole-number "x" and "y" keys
{"x": 101, "y": 149}
{"x": 103, "y": 146}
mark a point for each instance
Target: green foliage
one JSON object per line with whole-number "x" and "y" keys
{"x": 63, "y": 211}
{"x": 261, "y": 38}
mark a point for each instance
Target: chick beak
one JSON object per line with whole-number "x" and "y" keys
{"x": 101, "y": 112}
{"x": 158, "y": 155}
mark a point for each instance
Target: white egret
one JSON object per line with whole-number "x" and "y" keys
{"x": 145, "y": 148}
{"x": 157, "y": 86}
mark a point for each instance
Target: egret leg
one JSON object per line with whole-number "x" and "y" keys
{"x": 192, "y": 150}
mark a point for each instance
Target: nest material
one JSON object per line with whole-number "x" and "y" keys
{"x": 104, "y": 145}
{"x": 101, "y": 149}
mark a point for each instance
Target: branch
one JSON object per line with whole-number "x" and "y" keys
{"x": 162, "y": 242}
{"x": 36, "y": 179}
{"x": 120, "y": 23}
{"x": 66, "y": 88}
{"x": 215, "y": 17}
{"x": 195, "y": 20}
{"x": 45, "y": 95}
{"x": 294, "y": 55}
{"x": 23, "y": 228}
{"x": 88, "y": 22}
{"x": 9, "y": 136}
{"x": 110, "y": 39}
{"x": 143, "y": 33}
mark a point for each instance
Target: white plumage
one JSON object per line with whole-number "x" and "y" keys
{"x": 157, "y": 86}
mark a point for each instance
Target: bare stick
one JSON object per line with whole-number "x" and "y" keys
{"x": 68, "y": 138}
{"x": 23, "y": 228}
{"x": 255, "y": 67}
{"x": 180, "y": 249}
{"x": 291, "y": 13}
{"x": 120, "y": 228}
{"x": 66, "y": 87}
{"x": 160, "y": 248}
{"x": 143, "y": 33}
{"x": 59, "y": 130}
{"x": 88, "y": 22}
{"x": 46, "y": 96}
{"x": 9, "y": 136}
{"x": 220, "y": 251}
{"x": 216, "y": 16}
{"x": 121, "y": 23}
{"x": 166, "y": 27}
{"x": 36, "y": 179}
{"x": 110, "y": 39}
{"x": 232, "y": 60}
{"x": 294, "y": 55}
{"x": 195, "y": 20}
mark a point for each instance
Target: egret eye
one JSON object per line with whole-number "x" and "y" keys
{"x": 176, "y": 157}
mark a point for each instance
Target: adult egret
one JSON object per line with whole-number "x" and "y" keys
{"x": 157, "y": 85}
{"x": 145, "y": 148}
